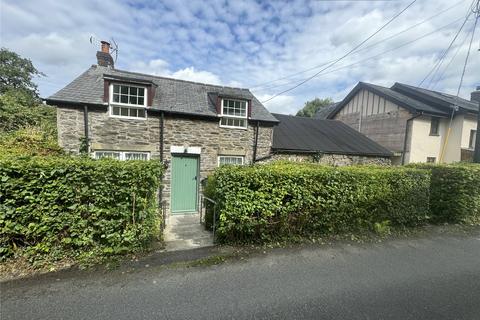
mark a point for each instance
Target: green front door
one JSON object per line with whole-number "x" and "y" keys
{"x": 184, "y": 184}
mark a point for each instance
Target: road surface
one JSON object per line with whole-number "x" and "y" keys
{"x": 429, "y": 278}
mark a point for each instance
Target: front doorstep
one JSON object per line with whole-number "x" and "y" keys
{"x": 184, "y": 231}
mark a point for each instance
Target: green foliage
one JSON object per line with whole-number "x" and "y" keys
{"x": 455, "y": 192}
{"x": 16, "y": 73}
{"x": 269, "y": 202}
{"x": 59, "y": 207}
{"x": 18, "y": 111}
{"x": 27, "y": 127}
{"x": 311, "y": 107}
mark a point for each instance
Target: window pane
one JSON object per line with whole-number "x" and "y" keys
{"x": 141, "y": 92}
{"x": 116, "y": 88}
{"x": 133, "y": 112}
{"x": 124, "y": 89}
{"x": 133, "y": 100}
{"x": 141, "y": 101}
{"x": 136, "y": 156}
{"x": 116, "y": 98}
{"x": 124, "y": 112}
{"x": 123, "y": 99}
{"x": 230, "y": 160}
{"x": 141, "y": 113}
{"x": 133, "y": 91}
{"x": 116, "y": 111}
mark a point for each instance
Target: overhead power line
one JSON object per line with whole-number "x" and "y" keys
{"x": 438, "y": 64}
{"x": 345, "y": 55}
{"x": 379, "y": 54}
{"x": 263, "y": 84}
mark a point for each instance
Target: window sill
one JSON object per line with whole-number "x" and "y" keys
{"x": 232, "y": 127}
{"x": 128, "y": 118}
{"x": 434, "y": 135}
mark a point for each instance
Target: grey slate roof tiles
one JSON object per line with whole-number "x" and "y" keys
{"x": 171, "y": 95}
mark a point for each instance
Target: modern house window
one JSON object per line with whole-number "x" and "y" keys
{"x": 431, "y": 159}
{"x": 235, "y": 160}
{"x": 234, "y": 113}
{"x": 122, "y": 155}
{"x": 473, "y": 139}
{"x": 434, "y": 126}
{"x": 128, "y": 101}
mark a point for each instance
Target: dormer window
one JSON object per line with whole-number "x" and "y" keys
{"x": 128, "y": 101}
{"x": 234, "y": 113}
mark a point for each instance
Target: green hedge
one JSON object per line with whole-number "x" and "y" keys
{"x": 266, "y": 202}
{"x": 455, "y": 192}
{"x": 76, "y": 207}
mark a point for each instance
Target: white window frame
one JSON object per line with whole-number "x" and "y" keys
{"x": 227, "y": 156}
{"x": 144, "y": 105}
{"x": 233, "y": 117}
{"x": 122, "y": 154}
{"x": 113, "y": 104}
{"x": 472, "y": 139}
{"x": 110, "y": 112}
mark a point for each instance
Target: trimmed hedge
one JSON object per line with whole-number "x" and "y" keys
{"x": 455, "y": 192}
{"x": 76, "y": 207}
{"x": 267, "y": 202}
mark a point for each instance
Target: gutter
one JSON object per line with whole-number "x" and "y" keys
{"x": 405, "y": 140}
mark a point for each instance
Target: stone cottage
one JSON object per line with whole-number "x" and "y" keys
{"x": 191, "y": 127}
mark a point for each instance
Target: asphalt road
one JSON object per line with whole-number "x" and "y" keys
{"x": 429, "y": 278}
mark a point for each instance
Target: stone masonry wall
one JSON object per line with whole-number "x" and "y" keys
{"x": 109, "y": 133}
{"x": 329, "y": 159}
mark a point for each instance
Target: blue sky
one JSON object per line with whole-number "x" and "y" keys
{"x": 245, "y": 43}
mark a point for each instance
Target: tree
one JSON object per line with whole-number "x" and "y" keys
{"x": 16, "y": 73}
{"x": 311, "y": 107}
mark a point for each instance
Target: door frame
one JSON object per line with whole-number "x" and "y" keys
{"x": 189, "y": 155}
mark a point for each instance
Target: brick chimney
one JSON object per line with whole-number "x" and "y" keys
{"x": 104, "y": 58}
{"x": 475, "y": 95}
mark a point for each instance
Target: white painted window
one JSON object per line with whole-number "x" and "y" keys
{"x": 128, "y": 101}
{"x": 473, "y": 139}
{"x": 234, "y": 113}
{"x": 431, "y": 159}
{"x": 434, "y": 126}
{"x": 235, "y": 160}
{"x": 122, "y": 155}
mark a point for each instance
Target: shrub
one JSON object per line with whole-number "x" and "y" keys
{"x": 266, "y": 202}
{"x": 59, "y": 207}
{"x": 455, "y": 193}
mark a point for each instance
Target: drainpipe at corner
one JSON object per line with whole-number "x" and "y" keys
{"x": 476, "y": 154}
{"x": 405, "y": 140}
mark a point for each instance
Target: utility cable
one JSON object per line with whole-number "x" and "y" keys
{"x": 362, "y": 49}
{"x": 477, "y": 13}
{"x": 379, "y": 54}
{"x": 443, "y": 55}
{"x": 345, "y": 55}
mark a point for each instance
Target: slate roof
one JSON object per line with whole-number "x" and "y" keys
{"x": 414, "y": 99}
{"x": 171, "y": 95}
{"x": 300, "y": 134}
{"x": 324, "y": 112}
{"x": 436, "y": 96}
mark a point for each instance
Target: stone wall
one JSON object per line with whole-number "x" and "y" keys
{"x": 110, "y": 133}
{"x": 328, "y": 159}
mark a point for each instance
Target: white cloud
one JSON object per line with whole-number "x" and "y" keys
{"x": 241, "y": 43}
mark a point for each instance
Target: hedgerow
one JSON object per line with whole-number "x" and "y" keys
{"x": 267, "y": 202}
{"x": 455, "y": 192}
{"x": 60, "y": 207}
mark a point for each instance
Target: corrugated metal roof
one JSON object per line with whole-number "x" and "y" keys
{"x": 299, "y": 134}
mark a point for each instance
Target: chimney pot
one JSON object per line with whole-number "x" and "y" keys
{"x": 475, "y": 95}
{"x": 104, "y": 58}
{"x": 105, "y": 46}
